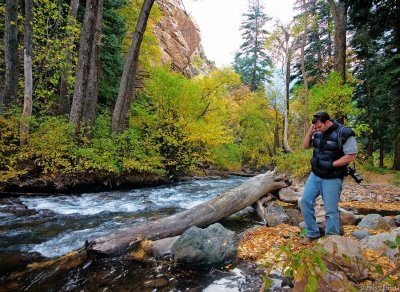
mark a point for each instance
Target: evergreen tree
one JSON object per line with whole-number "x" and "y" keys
{"x": 377, "y": 45}
{"x": 252, "y": 62}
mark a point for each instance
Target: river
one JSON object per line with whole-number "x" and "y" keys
{"x": 58, "y": 224}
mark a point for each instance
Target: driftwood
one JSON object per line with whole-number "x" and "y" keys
{"x": 201, "y": 215}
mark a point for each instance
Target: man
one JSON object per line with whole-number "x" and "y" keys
{"x": 334, "y": 148}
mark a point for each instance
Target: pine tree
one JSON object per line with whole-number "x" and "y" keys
{"x": 252, "y": 62}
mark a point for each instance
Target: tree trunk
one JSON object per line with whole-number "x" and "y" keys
{"x": 381, "y": 153}
{"x": 303, "y": 68}
{"x": 286, "y": 146}
{"x": 201, "y": 215}
{"x": 339, "y": 14}
{"x": 396, "y": 158}
{"x": 11, "y": 53}
{"x": 86, "y": 84}
{"x": 288, "y": 57}
{"x": 90, "y": 102}
{"x": 370, "y": 141}
{"x": 64, "y": 100}
{"x": 120, "y": 117}
{"x": 27, "y": 109}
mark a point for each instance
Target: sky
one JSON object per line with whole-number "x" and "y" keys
{"x": 219, "y": 22}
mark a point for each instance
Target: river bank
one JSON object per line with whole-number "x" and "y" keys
{"x": 69, "y": 184}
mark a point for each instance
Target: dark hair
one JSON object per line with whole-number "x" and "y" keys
{"x": 321, "y": 116}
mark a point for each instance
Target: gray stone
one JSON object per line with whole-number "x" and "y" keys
{"x": 390, "y": 221}
{"x": 162, "y": 247}
{"x": 289, "y": 195}
{"x": 295, "y": 216}
{"x": 347, "y": 217}
{"x": 397, "y": 220}
{"x": 275, "y": 215}
{"x": 360, "y": 234}
{"x": 345, "y": 254}
{"x": 205, "y": 247}
{"x": 374, "y": 221}
{"x": 378, "y": 243}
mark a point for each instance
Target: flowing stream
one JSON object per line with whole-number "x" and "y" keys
{"x": 56, "y": 225}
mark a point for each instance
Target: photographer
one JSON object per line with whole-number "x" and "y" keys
{"x": 334, "y": 148}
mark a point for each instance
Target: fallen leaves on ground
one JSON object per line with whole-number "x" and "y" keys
{"x": 373, "y": 206}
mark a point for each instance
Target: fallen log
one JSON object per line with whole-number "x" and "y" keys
{"x": 201, "y": 215}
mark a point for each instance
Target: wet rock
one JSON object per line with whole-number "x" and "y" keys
{"x": 378, "y": 243}
{"x": 345, "y": 255}
{"x": 289, "y": 195}
{"x": 347, "y": 217}
{"x": 155, "y": 283}
{"x": 210, "y": 246}
{"x": 17, "y": 260}
{"x": 295, "y": 216}
{"x": 390, "y": 221}
{"x": 275, "y": 215}
{"x": 374, "y": 221}
{"x": 360, "y": 234}
{"x": 162, "y": 247}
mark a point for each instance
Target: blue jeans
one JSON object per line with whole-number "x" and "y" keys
{"x": 330, "y": 190}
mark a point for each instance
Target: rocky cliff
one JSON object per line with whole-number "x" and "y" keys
{"x": 179, "y": 39}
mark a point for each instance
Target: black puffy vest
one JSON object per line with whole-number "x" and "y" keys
{"x": 327, "y": 149}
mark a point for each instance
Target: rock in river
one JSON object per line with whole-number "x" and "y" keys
{"x": 205, "y": 247}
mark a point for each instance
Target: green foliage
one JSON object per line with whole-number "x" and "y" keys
{"x": 49, "y": 146}
{"x": 334, "y": 97}
{"x": 9, "y": 142}
{"x": 150, "y": 53}
{"x": 305, "y": 264}
{"x": 297, "y": 163}
{"x": 184, "y": 118}
{"x": 228, "y": 157}
{"x": 255, "y": 122}
{"x": 55, "y": 46}
{"x": 252, "y": 62}
{"x": 111, "y": 57}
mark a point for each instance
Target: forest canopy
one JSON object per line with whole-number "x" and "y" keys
{"x": 85, "y": 94}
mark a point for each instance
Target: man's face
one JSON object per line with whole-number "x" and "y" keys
{"x": 322, "y": 127}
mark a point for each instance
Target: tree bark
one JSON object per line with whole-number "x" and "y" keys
{"x": 64, "y": 100}
{"x": 122, "y": 107}
{"x": 11, "y": 55}
{"x": 201, "y": 215}
{"x": 288, "y": 59}
{"x": 86, "y": 84}
{"x": 396, "y": 158}
{"x": 27, "y": 108}
{"x": 303, "y": 67}
{"x": 339, "y": 14}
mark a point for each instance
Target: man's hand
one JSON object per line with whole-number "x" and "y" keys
{"x": 307, "y": 138}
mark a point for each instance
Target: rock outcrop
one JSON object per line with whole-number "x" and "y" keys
{"x": 179, "y": 39}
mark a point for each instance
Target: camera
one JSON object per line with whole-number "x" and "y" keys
{"x": 354, "y": 174}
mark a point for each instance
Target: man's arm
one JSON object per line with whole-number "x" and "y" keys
{"x": 344, "y": 160}
{"x": 350, "y": 152}
{"x": 307, "y": 138}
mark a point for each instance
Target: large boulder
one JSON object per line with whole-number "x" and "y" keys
{"x": 275, "y": 215}
{"x": 374, "y": 221}
{"x": 211, "y": 246}
{"x": 289, "y": 194}
{"x": 378, "y": 243}
{"x": 345, "y": 254}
